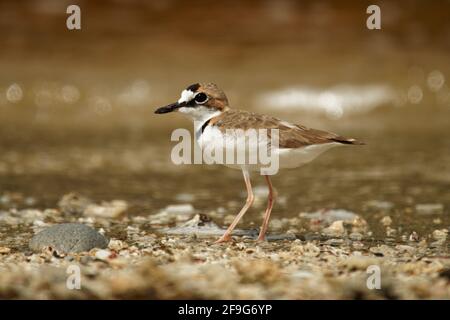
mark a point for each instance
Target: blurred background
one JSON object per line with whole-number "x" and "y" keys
{"x": 76, "y": 107}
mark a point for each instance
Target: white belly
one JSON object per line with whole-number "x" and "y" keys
{"x": 287, "y": 158}
{"x": 293, "y": 158}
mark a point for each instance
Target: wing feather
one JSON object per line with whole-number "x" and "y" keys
{"x": 290, "y": 135}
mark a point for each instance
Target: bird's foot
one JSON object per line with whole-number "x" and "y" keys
{"x": 261, "y": 239}
{"x": 224, "y": 238}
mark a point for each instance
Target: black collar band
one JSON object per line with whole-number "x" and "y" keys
{"x": 205, "y": 125}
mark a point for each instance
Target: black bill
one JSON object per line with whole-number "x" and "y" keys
{"x": 169, "y": 108}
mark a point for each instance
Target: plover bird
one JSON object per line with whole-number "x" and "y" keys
{"x": 208, "y": 107}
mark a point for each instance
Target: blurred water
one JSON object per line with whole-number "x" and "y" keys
{"x": 333, "y": 102}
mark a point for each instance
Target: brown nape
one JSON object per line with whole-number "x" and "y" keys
{"x": 217, "y": 98}
{"x": 290, "y": 135}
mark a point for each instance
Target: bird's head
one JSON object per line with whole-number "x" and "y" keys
{"x": 198, "y": 101}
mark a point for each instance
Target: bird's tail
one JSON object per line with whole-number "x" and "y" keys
{"x": 348, "y": 141}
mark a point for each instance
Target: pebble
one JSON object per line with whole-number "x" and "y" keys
{"x": 390, "y": 232}
{"x": 74, "y": 203}
{"x": 309, "y": 249}
{"x": 200, "y": 224}
{"x": 68, "y": 237}
{"x": 414, "y": 237}
{"x": 335, "y": 242}
{"x": 440, "y": 235}
{"x": 103, "y": 254}
{"x": 386, "y": 221}
{"x": 405, "y": 248}
{"x": 111, "y": 209}
{"x": 360, "y": 225}
{"x": 382, "y": 250}
{"x": 4, "y": 250}
{"x": 335, "y": 229}
{"x": 117, "y": 245}
{"x": 355, "y": 236}
{"x": 358, "y": 245}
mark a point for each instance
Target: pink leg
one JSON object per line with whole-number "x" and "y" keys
{"x": 250, "y": 197}
{"x": 271, "y": 200}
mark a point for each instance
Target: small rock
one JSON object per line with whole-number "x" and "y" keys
{"x": 383, "y": 250}
{"x": 139, "y": 219}
{"x": 390, "y": 232}
{"x": 309, "y": 249}
{"x": 117, "y": 245}
{"x": 334, "y": 242}
{"x": 440, "y": 235}
{"x": 74, "y": 204}
{"x": 430, "y": 208}
{"x": 405, "y": 248}
{"x": 68, "y": 237}
{"x": 111, "y": 209}
{"x": 386, "y": 221}
{"x": 356, "y": 262}
{"x": 30, "y": 215}
{"x": 103, "y": 254}
{"x": 357, "y": 245}
{"x": 4, "y": 250}
{"x": 200, "y": 224}
{"x": 356, "y": 236}
{"x": 336, "y": 229}
{"x": 360, "y": 225}
{"x": 414, "y": 236}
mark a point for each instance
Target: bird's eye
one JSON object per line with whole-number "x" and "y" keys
{"x": 201, "y": 98}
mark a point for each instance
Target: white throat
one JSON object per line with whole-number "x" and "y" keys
{"x": 199, "y": 115}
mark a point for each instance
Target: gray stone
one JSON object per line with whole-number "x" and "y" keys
{"x": 68, "y": 237}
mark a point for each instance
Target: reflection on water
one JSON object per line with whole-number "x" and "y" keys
{"x": 332, "y": 102}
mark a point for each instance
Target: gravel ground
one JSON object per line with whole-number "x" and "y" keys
{"x": 172, "y": 255}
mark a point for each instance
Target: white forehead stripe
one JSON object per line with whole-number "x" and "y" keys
{"x": 186, "y": 96}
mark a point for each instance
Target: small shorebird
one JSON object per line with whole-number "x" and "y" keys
{"x": 208, "y": 107}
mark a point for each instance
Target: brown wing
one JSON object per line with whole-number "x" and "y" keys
{"x": 290, "y": 135}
